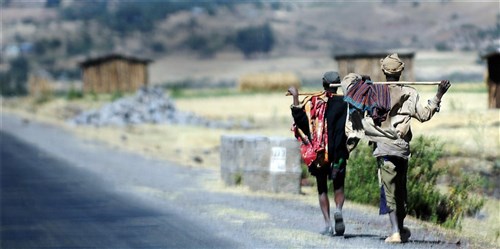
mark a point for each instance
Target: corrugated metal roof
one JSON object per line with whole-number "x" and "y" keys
{"x": 108, "y": 57}
{"x": 376, "y": 54}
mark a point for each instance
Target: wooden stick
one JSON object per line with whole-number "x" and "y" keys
{"x": 429, "y": 83}
{"x": 314, "y": 93}
{"x": 306, "y": 93}
{"x": 399, "y": 83}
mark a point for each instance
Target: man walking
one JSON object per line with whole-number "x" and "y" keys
{"x": 391, "y": 132}
{"x": 320, "y": 122}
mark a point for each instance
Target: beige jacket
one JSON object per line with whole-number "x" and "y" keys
{"x": 394, "y": 134}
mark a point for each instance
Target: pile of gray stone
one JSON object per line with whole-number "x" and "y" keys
{"x": 148, "y": 105}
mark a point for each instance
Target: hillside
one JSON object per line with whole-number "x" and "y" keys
{"x": 55, "y": 39}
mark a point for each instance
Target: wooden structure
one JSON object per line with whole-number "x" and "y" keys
{"x": 369, "y": 64}
{"x": 39, "y": 85}
{"x": 493, "y": 77}
{"x": 114, "y": 73}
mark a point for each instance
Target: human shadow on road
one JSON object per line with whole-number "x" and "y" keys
{"x": 432, "y": 242}
{"x": 350, "y": 236}
{"x": 414, "y": 241}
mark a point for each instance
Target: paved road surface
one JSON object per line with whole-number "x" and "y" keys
{"x": 46, "y": 203}
{"x": 60, "y": 191}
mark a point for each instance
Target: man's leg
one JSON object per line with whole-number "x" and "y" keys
{"x": 339, "y": 198}
{"x": 388, "y": 175}
{"x": 401, "y": 197}
{"x": 338, "y": 187}
{"x": 337, "y": 215}
{"x": 324, "y": 202}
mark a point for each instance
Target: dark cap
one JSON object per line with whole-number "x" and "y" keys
{"x": 331, "y": 77}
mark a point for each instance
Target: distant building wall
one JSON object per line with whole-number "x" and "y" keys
{"x": 493, "y": 78}
{"x": 369, "y": 64}
{"x": 114, "y": 73}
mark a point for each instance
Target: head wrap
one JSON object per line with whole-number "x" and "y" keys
{"x": 392, "y": 65}
{"x": 349, "y": 80}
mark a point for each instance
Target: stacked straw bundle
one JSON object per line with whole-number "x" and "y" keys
{"x": 277, "y": 81}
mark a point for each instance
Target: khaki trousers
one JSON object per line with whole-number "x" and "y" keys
{"x": 393, "y": 178}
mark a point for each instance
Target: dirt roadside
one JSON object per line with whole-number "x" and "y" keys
{"x": 252, "y": 219}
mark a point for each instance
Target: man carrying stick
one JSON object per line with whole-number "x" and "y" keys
{"x": 391, "y": 108}
{"x": 320, "y": 125}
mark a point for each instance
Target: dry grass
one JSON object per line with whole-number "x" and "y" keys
{"x": 268, "y": 81}
{"x": 464, "y": 123}
{"x": 486, "y": 227}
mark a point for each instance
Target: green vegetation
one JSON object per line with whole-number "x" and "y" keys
{"x": 425, "y": 201}
{"x": 255, "y": 39}
{"x": 361, "y": 181}
{"x": 14, "y": 81}
{"x": 130, "y": 16}
{"x": 116, "y": 95}
{"x": 74, "y": 94}
{"x": 207, "y": 45}
{"x": 238, "y": 178}
{"x": 79, "y": 45}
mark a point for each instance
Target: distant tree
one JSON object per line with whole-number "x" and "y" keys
{"x": 5, "y": 3}
{"x": 158, "y": 47}
{"x": 81, "y": 45}
{"x": 132, "y": 16}
{"x": 15, "y": 80}
{"x": 276, "y": 5}
{"x": 389, "y": 2}
{"x": 206, "y": 46}
{"x": 442, "y": 46}
{"x": 128, "y": 16}
{"x": 196, "y": 42}
{"x": 44, "y": 45}
{"x": 86, "y": 10}
{"x": 52, "y": 3}
{"x": 255, "y": 39}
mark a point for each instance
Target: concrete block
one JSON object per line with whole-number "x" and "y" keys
{"x": 262, "y": 163}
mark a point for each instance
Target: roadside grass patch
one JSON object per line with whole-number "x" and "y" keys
{"x": 425, "y": 201}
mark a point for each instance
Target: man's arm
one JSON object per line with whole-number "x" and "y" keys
{"x": 425, "y": 113}
{"x": 353, "y": 130}
{"x": 298, "y": 113}
{"x": 443, "y": 88}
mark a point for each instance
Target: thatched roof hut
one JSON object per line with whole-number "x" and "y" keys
{"x": 369, "y": 64}
{"x": 493, "y": 77}
{"x": 114, "y": 73}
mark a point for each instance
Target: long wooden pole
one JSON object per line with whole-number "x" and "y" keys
{"x": 311, "y": 93}
{"x": 399, "y": 83}
{"x": 429, "y": 83}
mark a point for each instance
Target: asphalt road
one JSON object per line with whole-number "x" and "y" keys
{"x": 46, "y": 203}
{"x": 61, "y": 191}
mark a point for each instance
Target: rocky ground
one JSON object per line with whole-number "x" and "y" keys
{"x": 149, "y": 105}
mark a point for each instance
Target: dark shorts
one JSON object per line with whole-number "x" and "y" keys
{"x": 324, "y": 173}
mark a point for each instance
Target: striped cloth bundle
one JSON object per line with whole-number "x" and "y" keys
{"x": 366, "y": 96}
